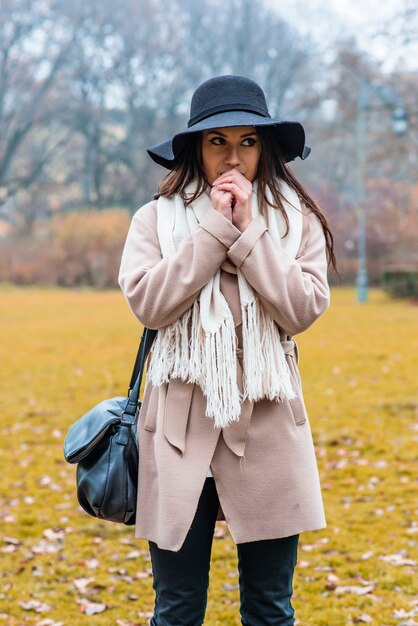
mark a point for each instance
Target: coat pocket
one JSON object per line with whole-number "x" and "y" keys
{"x": 297, "y": 405}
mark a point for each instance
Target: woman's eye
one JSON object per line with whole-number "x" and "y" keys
{"x": 220, "y": 141}
{"x": 217, "y": 141}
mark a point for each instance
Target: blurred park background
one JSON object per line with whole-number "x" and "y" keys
{"x": 85, "y": 87}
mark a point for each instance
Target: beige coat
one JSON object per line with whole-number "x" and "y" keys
{"x": 264, "y": 465}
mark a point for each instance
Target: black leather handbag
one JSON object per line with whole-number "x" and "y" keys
{"x": 104, "y": 445}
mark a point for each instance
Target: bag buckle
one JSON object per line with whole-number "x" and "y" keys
{"x": 124, "y": 430}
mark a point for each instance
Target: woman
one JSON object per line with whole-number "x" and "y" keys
{"x": 228, "y": 262}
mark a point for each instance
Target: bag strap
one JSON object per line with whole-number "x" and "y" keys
{"x": 143, "y": 351}
{"x": 136, "y": 379}
{"x": 130, "y": 413}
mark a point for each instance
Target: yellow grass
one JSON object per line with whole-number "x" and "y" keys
{"x": 64, "y": 351}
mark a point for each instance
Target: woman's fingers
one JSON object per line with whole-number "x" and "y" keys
{"x": 234, "y": 182}
{"x": 222, "y": 201}
{"x": 232, "y": 195}
{"x": 240, "y": 194}
{"x": 234, "y": 176}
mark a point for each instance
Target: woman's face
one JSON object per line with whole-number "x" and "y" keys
{"x": 236, "y": 147}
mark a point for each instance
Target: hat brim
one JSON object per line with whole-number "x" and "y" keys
{"x": 290, "y": 135}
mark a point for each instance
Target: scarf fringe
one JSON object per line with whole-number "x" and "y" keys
{"x": 208, "y": 359}
{"x": 196, "y": 345}
{"x": 182, "y": 350}
{"x": 266, "y": 372}
{"x": 220, "y": 381}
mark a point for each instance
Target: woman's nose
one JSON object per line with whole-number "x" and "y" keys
{"x": 232, "y": 157}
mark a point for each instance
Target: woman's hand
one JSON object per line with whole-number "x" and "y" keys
{"x": 231, "y": 195}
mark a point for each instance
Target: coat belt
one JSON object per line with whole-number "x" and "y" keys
{"x": 180, "y": 394}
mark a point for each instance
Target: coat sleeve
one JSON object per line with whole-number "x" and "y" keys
{"x": 294, "y": 291}
{"x": 159, "y": 290}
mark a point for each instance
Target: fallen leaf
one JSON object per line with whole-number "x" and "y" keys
{"x": 12, "y": 541}
{"x": 364, "y": 581}
{"x": 127, "y": 540}
{"x": 9, "y": 549}
{"x": 360, "y": 591}
{"x": 364, "y": 618}
{"x": 35, "y": 605}
{"x": 401, "y": 613}
{"x": 397, "y": 559}
{"x": 126, "y": 579}
{"x": 135, "y": 554}
{"x": 44, "y": 481}
{"x": 82, "y": 583}
{"x": 64, "y": 505}
{"x": 145, "y": 574}
{"x": 43, "y": 547}
{"x": 91, "y": 563}
{"x": 91, "y": 608}
{"x": 308, "y": 547}
{"x": 367, "y": 555}
{"x": 332, "y": 581}
{"x": 54, "y": 534}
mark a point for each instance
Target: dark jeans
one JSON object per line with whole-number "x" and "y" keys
{"x": 181, "y": 578}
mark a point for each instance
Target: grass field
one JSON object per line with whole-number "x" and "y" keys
{"x": 64, "y": 351}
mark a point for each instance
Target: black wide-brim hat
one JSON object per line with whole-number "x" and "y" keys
{"x": 226, "y": 101}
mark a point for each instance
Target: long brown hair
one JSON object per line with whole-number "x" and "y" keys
{"x": 272, "y": 168}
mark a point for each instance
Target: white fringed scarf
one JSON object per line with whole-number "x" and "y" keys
{"x": 200, "y": 347}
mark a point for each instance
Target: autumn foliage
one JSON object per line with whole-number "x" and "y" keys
{"x": 82, "y": 248}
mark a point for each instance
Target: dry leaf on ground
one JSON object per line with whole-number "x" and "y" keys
{"x": 91, "y": 608}
{"x": 81, "y": 584}
{"x": 360, "y": 591}
{"x": 364, "y": 618}
{"x": 35, "y": 605}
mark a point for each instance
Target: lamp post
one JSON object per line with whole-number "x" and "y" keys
{"x": 400, "y": 126}
{"x": 362, "y": 280}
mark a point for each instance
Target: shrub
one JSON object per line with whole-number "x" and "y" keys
{"x": 87, "y": 246}
{"x": 82, "y": 248}
{"x": 401, "y": 283}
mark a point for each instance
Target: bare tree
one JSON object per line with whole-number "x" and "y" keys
{"x": 87, "y": 86}
{"x": 402, "y": 27}
{"x": 33, "y": 51}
